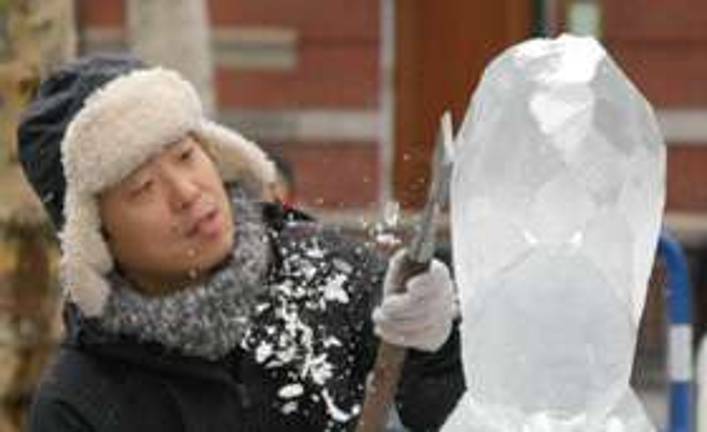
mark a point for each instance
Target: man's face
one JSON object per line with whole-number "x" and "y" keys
{"x": 170, "y": 221}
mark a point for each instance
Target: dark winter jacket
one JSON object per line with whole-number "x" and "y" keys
{"x": 302, "y": 367}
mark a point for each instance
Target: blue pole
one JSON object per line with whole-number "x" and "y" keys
{"x": 679, "y": 302}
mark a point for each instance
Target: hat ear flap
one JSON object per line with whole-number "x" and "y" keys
{"x": 85, "y": 255}
{"x": 238, "y": 159}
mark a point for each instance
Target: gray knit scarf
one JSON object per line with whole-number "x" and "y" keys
{"x": 206, "y": 320}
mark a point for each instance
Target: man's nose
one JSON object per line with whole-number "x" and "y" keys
{"x": 182, "y": 190}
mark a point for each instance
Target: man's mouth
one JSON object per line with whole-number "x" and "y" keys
{"x": 205, "y": 223}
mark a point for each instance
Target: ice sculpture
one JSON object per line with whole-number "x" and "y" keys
{"x": 557, "y": 196}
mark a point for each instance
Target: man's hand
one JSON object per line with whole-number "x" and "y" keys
{"x": 421, "y": 317}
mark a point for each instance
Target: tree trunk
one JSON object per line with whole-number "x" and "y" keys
{"x": 36, "y": 37}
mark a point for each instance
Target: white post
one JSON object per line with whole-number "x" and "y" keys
{"x": 386, "y": 108}
{"x": 702, "y": 385}
{"x": 175, "y": 34}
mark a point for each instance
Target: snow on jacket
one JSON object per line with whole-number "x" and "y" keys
{"x": 301, "y": 366}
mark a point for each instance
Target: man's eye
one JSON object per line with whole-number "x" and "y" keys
{"x": 186, "y": 154}
{"x": 143, "y": 187}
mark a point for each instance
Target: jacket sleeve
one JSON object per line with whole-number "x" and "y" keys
{"x": 431, "y": 385}
{"x": 53, "y": 415}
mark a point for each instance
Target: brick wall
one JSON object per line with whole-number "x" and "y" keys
{"x": 662, "y": 47}
{"x": 335, "y": 73}
{"x": 106, "y": 13}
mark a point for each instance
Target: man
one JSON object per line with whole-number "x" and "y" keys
{"x": 190, "y": 305}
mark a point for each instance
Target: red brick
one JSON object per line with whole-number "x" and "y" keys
{"x": 661, "y": 46}
{"x": 655, "y": 20}
{"x": 687, "y": 178}
{"x": 326, "y": 76}
{"x": 332, "y": 175}
{"x": 314, "y": 19}
{"x": 669, "y": 74}
{"x": 104, "y": 13}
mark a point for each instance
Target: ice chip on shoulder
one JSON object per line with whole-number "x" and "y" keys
{"x": 557, "y": 196}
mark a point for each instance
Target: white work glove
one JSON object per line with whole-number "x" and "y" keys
{"x": 421, "y": 317}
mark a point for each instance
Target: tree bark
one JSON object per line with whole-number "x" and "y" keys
{"x": 37, "y": 37}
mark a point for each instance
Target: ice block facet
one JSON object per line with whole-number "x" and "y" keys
{"x": 557, "y": 197}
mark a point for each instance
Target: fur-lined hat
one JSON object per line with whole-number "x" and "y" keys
{"x": 91, "y": 124}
